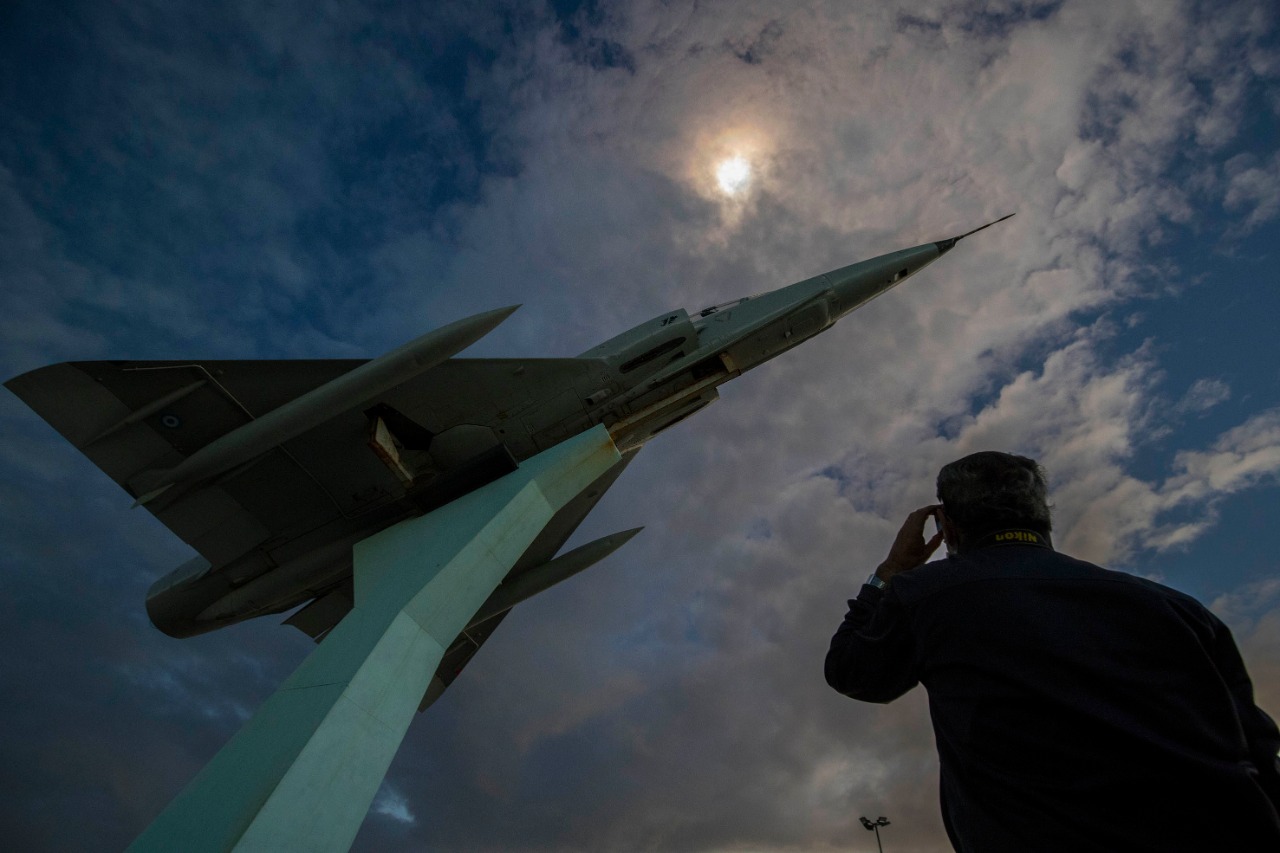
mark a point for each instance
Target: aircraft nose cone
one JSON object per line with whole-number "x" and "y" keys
{"x": 858, "y": 284}
{"x": 949, "y": 243}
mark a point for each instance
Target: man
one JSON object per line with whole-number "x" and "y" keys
{"x": 1074, "y": 708}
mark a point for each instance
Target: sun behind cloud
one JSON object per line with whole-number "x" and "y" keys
{"x": 733, "y": 175}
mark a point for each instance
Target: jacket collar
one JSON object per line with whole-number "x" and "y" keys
{"x": 1012, "y": 536}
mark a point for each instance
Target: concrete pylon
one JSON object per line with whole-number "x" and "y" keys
{"x": 303, "y": 771}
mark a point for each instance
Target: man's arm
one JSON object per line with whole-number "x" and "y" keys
{"x": 872, "y": 655}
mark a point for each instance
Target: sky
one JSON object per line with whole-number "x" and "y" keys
{"x": 329, "y": 180}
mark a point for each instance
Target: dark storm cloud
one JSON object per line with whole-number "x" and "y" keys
{"x": 241, "y": 160}
{"x": 204, "y": 180}
{"x": 87, "y": 683}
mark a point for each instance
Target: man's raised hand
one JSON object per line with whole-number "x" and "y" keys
{"x": 910, "y": 549}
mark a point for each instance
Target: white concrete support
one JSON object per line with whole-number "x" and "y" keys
{"x": 303, "y": 771}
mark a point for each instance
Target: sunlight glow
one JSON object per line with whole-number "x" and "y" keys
{"x": 733, "y": 175}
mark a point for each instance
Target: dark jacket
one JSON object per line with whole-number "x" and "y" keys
{"x": 1075, "y": 708}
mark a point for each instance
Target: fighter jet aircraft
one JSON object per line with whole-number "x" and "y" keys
{"x": 272, "y": 470}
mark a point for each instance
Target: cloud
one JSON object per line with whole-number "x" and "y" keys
{"x": 1240, "y": 458}
{"x": 1203, "y": 395}
{"x": 1252, "y": 188}
{"x": 38, "y": 283}
{"x": 1254, "y": 617}
{"x": 393, "y": 805}
{"x": 1082, "y": 138}
{"x": 1243, "y": 606}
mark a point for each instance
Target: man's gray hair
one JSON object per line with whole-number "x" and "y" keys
{"x": 989, "y": 490}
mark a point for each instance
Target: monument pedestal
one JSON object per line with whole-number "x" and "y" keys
{"x": 303, "y": 771}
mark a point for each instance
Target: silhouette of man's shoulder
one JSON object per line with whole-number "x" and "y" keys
{"x": 1022, "y": 565}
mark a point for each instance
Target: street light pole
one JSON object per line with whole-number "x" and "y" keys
{"x": 875, "y": 825}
